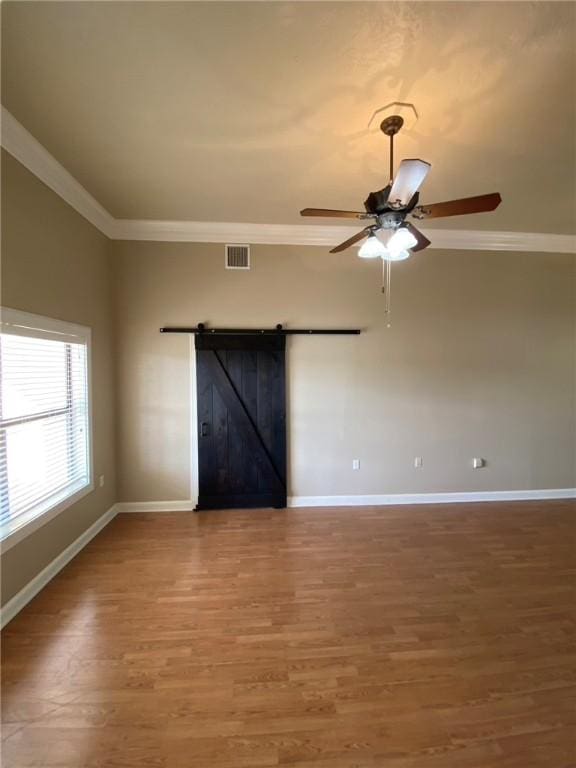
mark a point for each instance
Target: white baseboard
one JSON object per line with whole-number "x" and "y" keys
{"x": 378, "y": 500}
{"x": 186, "y": 505}
{"x": 370, "y": 500}
{"x": 39, "y": 581}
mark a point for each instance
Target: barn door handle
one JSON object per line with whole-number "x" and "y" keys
{"x": 204, "y": 429}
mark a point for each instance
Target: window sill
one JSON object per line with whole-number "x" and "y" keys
{"x": 13, "y": 533}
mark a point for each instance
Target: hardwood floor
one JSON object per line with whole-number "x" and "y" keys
{"x": 407, "y": 637}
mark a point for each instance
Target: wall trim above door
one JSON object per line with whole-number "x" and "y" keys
{"x": 18, "y": 142}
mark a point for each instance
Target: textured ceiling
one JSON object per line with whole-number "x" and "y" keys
{"x": 249, "y": 111}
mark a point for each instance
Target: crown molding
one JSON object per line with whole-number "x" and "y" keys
{"x": 18, "y": 142}
{"x": 321, "y": 235}
{"x": 27, "y": 150}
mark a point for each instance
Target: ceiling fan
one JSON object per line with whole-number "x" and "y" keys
{"x": 389, "y": 207}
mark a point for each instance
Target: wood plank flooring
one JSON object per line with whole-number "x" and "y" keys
{"x": 407, "y": 637}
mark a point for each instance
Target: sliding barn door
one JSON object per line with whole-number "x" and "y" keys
{"x": 241, "y": 421}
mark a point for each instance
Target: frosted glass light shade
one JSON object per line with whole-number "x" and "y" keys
{"x": 372, "y": 248}
{"x": 399, "y": 244}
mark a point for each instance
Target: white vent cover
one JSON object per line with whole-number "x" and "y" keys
{"x": 237, "y": 257}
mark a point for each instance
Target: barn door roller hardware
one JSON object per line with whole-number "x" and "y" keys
{"x": 201, "y": 329}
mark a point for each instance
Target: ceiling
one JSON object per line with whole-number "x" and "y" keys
{"x": 248, "y": 112}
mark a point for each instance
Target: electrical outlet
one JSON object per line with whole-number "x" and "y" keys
{"x": 355, "y": 463}
{"x": 418, "y": 462}
{"x": 101, "y": 481}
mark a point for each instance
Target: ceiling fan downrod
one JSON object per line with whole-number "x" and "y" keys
{"x": 390, "y": 127}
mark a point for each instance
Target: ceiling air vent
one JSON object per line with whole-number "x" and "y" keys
{"x": 237, "y": 257}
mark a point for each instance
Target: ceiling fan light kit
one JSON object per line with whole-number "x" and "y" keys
{"x": 389, "y": 207}
{"x": 396, "y": 249}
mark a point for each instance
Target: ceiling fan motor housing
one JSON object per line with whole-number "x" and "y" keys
{"x": 377, "y": 204}
{"x": 390, "y": 219}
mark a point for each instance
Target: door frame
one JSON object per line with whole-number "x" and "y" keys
{"x": 193, "y": 426}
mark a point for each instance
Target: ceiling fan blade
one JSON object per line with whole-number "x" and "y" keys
{"x": 351, "y": 240}
{"x": 409, "y": 178}
{"x": 329, "y": 213}
{"x": 465, "y": 205}
{"x": 423, "y": 241}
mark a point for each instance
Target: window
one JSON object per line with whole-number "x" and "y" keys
{"x": 44, "y": 419}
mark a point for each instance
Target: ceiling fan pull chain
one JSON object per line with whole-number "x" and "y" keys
{"x": 387, "y": 287}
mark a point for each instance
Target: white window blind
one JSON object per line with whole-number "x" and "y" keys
{"x": 44, "y": 416}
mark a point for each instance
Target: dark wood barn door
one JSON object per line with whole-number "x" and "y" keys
{"x": 241, "y": 401}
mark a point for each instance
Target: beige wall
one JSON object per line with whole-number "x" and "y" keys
{"x": 478, "y": 361}
{"x": 55, "y": 263}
